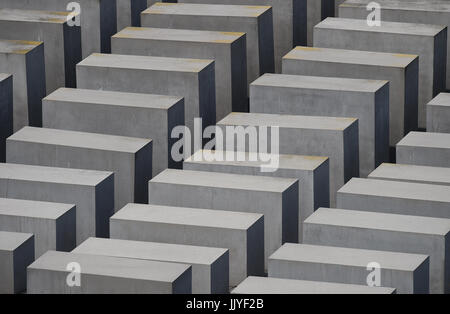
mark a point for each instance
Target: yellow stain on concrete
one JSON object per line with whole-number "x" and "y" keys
{"x": 306, "y": 48}
{"x": 232, "y": 33}
{"x": 404, "y": 55}
{"x": 223, "y": 41}
{"x": 21, "y": 51}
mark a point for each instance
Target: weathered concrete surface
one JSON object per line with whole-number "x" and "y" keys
{"x": 6, "y": 111}
{"x": 438, "y": 114}
{"x": 16, "y": 253}
{"x": 241, "y": 233}
{"x": 106, "y": 274}
{"x": 53, "y": 224}
{"x": 25, "y": 61}
{"x": 129, "y": 12}
{"x": 367, "y": 100}
{"x": 210, "y": 266}
{"x": 385, "y": 232}
{"x": 228, "y": 50}
{"x": 402, "y": 72}
{"x": 91, "y": 191}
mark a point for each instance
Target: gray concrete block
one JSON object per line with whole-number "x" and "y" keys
{"x": 62, "y": 42}
{"x": 318, "y": 10}
{"x": 151, "y": 116}
{"x": 6, "y": 111}
{"x": 16, "y": 253}
{"x": 407, "y": 273}
{"x": 426, "y": 40}
{"x": 91, "y": 191}
{"x": 241, "y": 233}
{"x": 312, "y": 172}
{"x": 129, "y": 12}
{"x": 53, "y": 224}
{"x": 265, "y": 285}
{"x": 130, "y": 158}
{"x": 210, "y": 266}
{"x": 386, "y": 232}
{"x": 25, "y": 61}
{"x": 366, "y": 100}
{"x": 438, "y": 114}
{"x": 228, "y": 50}
{"x": 255, "y": 21}
{"x": 336, "y": 138}
{"x": 188, "y": 78}
{"x": 402, "y": 72}
{"x": 106, "y": 275}
{"x": 426, "y": 149}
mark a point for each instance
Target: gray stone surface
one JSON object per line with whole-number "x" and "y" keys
{"x": 400, "y": 70}
{"x": 426, "y": 40}
{"x": 241, "y": 233}
{"x": 25, "y": 61}
{"x": 107, "y": 274}
{"x": 53, "y": 224}
{"x": 438, "y": 114}
{"x": 130, "y": 158}
{"x": 16, "y": 253}
{"x": 91, "y": 191}
{"x": 6, "y": 111}
{"x": 129, "y": 12}
{"x": 367, "y": 100}
{"x": 408, "y": 273}
{"x": 385, "y": 232}
{"x": 227, "y": 49}
{"x": 210, "y": 266}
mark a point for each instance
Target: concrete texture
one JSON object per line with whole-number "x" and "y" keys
{"x": 210, "y": 266}
{"x": 227, "y": 49}
{"x": 53, "y": 224}
{"x": 129, "y": 12}
{"x": 25, "y": 61}
{"x": 426, "y": 149}
{"x": 241, "y": 233}
{"x": 16, "y": 253}
{"x": 336, "y": 138}
{"x": 402, "y": 72}
{"x": 385, "y": 232}
{"x": 91, "y": 191}
{"x": 275, "y": 198}
{"x": 255, "y": 21}
{"x": 426, "y": 40}
{"x": 6, "y": 111}
{"x": 408, "y": 273}
{"x": 367, "y": 100}
{"x": 106, "y": 274}
{"x": 62, "y": 42}
{"x": 438, "y": 114}
{"x": 312, "y": 172}
{"x": 116, "y": 113}
{"x": 130, "y": 158}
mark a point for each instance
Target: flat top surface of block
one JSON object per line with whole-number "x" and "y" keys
{"x": 145, "y": 63}
{"x": 412, "y": 172}
{"x": 417, "y": 5}
{"x": 188, "y": 254}
{"x": 47, "y": 210}
{"x": 111, "y": 266}
{"x": 9, "y": 241}
{"x": 316, "y": 82}
{"x": 34, "y": 16}
{"x": 4, "y": 76}
{"x": 443, "y": 99}
{"x": 18, "y": 46}
{"x": 112, "y": 98}
{"x": 426, "y": 139}
{"x": 185, "y": 35}
{"x": 224, "y": 180}
{"x": 287, "y": 121}
{"x": 380, "y": 221}
{"x": 347, "y": 256}
{"x": 187, "y": 216}
{"x": 52, "y": 174}
{"x": 351, "y": 56}
{"x": 79, "y": 139}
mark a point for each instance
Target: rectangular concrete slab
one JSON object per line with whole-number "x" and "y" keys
{"x": 106, "y": 274}
{"x": 91, "y": 191}
{"x": 228, "y": 50}
{"x": 438, "y": 114}
{"x": 210, "y": 266}
{"x": 367, "y": 100}
{"x": 130, "y": 158}
{"x": 385, "y": 232}
{"x": 6, "y": 111}
{"x": 402, "y": 72}
{"x": 129, "y": 12}
{"x": 241, "y": 233}
{"x": 53, "y": 224}
{"x": 407, "y": 273}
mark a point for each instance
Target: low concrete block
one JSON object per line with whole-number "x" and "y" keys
{"x": 129, "y": 12}
{"x": 210, "y": 266}
{"x": 106, "y": 274}
{"x": 6, "y": 111}
{"x": 385, "y": 232}
{"x": 438, "y": 114}
{"x": 241, "y": 233}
